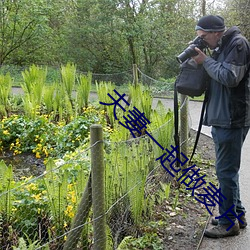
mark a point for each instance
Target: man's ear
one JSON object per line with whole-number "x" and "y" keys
{"x": 219, "y": 34}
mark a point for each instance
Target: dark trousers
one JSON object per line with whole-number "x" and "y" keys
{"x": 228, "y": 145}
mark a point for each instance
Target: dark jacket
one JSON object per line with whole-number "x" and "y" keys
{"x": 229, "y": 90}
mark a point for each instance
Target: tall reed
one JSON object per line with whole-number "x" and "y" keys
{"x": 62, "y": 106}
{"x": 33, "y": 86}
{"x": 68, "y": 74}
{"x": 83, "y": 91}
{"x": 5, "y": 90}
{"x": 161, "y": 128}
{"x": 6, "y": 184}
{"x": 141, "y": 99}
{"x": 103, "y": 89}
{"x": 48, "y": 97}
{"x": 126, "y": 170}
{"x": 56, "y": 184}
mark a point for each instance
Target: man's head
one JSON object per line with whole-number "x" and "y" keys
{"x": 211, "y": 29}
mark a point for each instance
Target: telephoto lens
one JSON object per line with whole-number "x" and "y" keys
{"x": 190, "y": 50}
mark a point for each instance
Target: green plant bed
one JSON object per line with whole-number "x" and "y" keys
{"x": 141, "y": 198}
{"x": 43, "y": 137}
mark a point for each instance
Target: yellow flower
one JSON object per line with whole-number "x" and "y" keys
{"x": 69, "y": 211}
{"x": 6, "y": 132}
{"x": 31, "y": 187}
{"x": 16, "y": 152}
{"x": 45, "y": 151}
{"x": 26, "y": 178}
{"x": 14, "y": 209}
{"x": 38, "y": 155}
{"x": 73, "y": 199}
{"x": 37, "y": 196}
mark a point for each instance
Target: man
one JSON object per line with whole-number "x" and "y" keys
{"x": 228, "y": 112}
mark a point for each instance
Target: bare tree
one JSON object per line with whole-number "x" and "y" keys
{"x": 20, "y": 21}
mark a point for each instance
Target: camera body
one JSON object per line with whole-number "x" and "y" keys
{"x": 190, "y": 51}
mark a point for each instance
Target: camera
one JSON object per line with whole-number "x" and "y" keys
{"x": 190, "y": 51}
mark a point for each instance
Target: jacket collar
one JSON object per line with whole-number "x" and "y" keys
{"x": 231, "y": 32}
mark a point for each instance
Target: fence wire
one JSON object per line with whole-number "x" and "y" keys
{"x": 158, "y": 87}
{"x": 128, "y": 182}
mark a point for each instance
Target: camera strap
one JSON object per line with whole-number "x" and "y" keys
{"x": 176, "y": 125}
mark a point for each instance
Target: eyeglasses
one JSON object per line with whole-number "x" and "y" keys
{"x": 203, "y": 36}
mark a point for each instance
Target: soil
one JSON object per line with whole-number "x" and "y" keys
{"x": 187, "y": 224}
{"x": 25, "y": 164}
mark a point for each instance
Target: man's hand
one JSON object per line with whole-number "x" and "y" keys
{"x": 200, "y": 58}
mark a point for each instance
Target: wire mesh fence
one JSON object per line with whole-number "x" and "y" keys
{"x": 160, "y": 87}
{"x": 55, "y": 209}
{"x": 41, "y": 210}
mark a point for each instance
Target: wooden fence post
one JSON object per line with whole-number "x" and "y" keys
{"x": 135, "y": 74}
{"x": 80, "y": 218}
{"x": 184, "y": 127}
{"x": 98, "y": 195}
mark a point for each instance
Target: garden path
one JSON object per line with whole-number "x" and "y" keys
{"x": 241, "y": 242}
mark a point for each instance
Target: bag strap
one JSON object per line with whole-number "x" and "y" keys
{"x": 200, "y": 126}
{"x": 176, "y": 125}
{"x": 201, "y": 116}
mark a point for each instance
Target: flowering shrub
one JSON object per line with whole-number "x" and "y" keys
{"x": 43, "y": 137}
{"x": 49, "y": 203}
{"x": 29, "y": 206}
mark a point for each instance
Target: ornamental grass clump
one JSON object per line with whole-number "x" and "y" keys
{"x": 83, "y": 91}
{"x": 33, "y": 85}
{"x": 103, "y": 89}
{"x": 161, "y": 127}
{"x": 5, "y": 91}
{"x": 141, "y": 98}
{"x": 126, "y": 171}
{"x": 68, "y": 75}
{"x": 48, "y": 98}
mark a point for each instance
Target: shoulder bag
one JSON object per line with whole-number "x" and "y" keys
{"x": 192, "y": 79}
